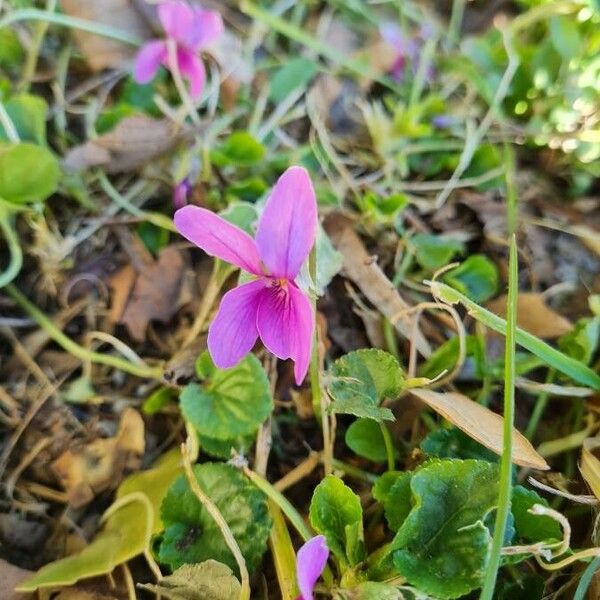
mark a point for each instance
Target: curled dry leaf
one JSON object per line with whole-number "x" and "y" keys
{"x": 481, "y": 424}
{"x": 155, "y": 293}
{"x": 363, "y": 270}
{"x": 533, "y": 315}
{"x": 590, "y": 464}
{"x": 134, "y": 142}
{"x": 86, "y": 471}
{"x": 180, "y": 368}
{"x": 99, "y": 51}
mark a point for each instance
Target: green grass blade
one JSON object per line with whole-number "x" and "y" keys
{"x": 565, "y": 364}
{"x": 505, "y": 484}
{"x": 291, "y": 31}
{"x": 34, "y": 14}
{"x": 586, "y": 579}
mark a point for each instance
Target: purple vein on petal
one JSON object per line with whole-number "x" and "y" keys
{"x": 233, "y": 332}
{"x": 287, "y": 228}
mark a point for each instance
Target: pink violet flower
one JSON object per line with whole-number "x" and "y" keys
{"x": 271, "y": 306}
{"x": 407, "y": 49}
{"x": 310, "y": 563}
{"x": 190, "y": 30}
{"x": 181, "y": 191}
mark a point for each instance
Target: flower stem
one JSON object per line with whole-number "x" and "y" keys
{"x": 319, "y": 399}
{"x": 214, "y": 512}
{"x": 389, "y": 446}
{"x": 282, "y": 551}
{"x": 456, "y": 20}
{"x": 7, "y": 227}
{"x": 287, "y": 509}
{"x": 282, "y": 502}
{"x": 505, "y": 484}
{"x": 353, "y": 471}
{"x": 539, "y": 408}
{"x": 220, "y": 273}
{"x": 177, "y": 79}
{"x": 157, "y": 219}
{"x": 139, "y": 370}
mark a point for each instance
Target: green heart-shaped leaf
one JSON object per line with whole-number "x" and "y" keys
{"x": 443, "y": 545}
{"x": 28, "y": 173}
{"x": 392, "y": 490}
{"x": 364, "y": 437}
{"x": 191, "y": 534}
{"x": 231, "y": 402}
{"x": 336, "y": 513}
{"x": 362, "y": 380}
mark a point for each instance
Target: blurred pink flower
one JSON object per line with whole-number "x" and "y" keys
{"x": 272, "y": 306}
{"x": 190, "y": 30}
{"x": 181, "y": 192}
{"x": 310, "y": 563}
{"x": 407, "y": 49}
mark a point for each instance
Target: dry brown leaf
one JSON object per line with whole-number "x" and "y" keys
{"x": 533, "y": 315}
{"x": 156, "y": 294}
{"x": 99, "y": 51}
{"x": 121, "y": 283}
{"x": 481, "y": 424}
{"x": 590, "y": 465}
{"x": 363, "y": 270}
{"x": 134, "y": 142}
{"x": 86, "y": 471}
{"x": 180, "y": 367}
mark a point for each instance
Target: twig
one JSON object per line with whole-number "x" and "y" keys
{"x": 305, "y": 468}
{"x": 33, "y": 410}
{"x": 592, "y": 500}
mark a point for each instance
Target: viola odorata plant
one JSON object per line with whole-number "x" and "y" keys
{"x": 189, "y": 30}
{"x": 310, "y": 564}
{"x": 272, "y": 305}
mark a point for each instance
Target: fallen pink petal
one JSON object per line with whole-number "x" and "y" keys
{"x": 310, "y": 563}
{"x": 189, "y": 30}
{"x": 272, "y": 307}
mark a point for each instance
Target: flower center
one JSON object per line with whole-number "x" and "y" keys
{"x": 280, "y": 285}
